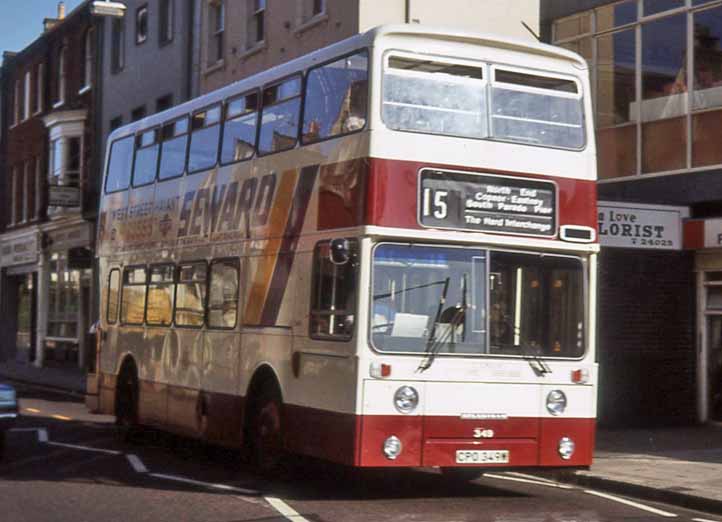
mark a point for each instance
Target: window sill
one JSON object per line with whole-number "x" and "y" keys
{"x": 252, "y": 51}
{"x": 311, "y": 23}
{"x": 58, "y": 104}
{"x": 219, "y": 65}
{"x": 85, "y": 89}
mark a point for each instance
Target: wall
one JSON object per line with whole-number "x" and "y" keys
{"x": 646, "y": 339}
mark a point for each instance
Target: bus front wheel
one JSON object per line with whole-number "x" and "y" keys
{"x": 266, "y": 431}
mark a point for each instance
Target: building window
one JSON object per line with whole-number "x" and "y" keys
{"x": 39, "y": 87}
{"x": 25, "y": 189}
{"x": 138, "y": 113}
{"x": 668, "y": 121}
{"x": 164, "y": 103}
{"x": 216, "y": 27}
{"x": 14, "y": 173}
{"x": 65, "y": 160}
{"x": 256, "y": 23}
{"x": 87, "y": 62}
{"x": 311, "y": 9}
{"x": 117, "y": 58}
{"x": 166, "y": 21}
{"x": 60, "y": 78}
{"x": 116, "y": 123}
{"x": 28, "y": 85}
{"x": 141, "y": 25}
{"x": 38, "y": 187}
{"x": 64, "y": 299}
{"x": 17, "y": 101}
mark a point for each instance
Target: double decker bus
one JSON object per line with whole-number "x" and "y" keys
{"x": 380, "y": 254}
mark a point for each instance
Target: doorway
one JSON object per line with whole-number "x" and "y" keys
{"x": 20, "y": 307}
{"x": 710, "y": 363}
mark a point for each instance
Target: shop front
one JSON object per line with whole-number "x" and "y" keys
{"x": 19, "y": 256}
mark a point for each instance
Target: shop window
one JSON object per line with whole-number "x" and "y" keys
{"x": 64, "y": 298}
{"x": 615, "y": 15}
{"x": 191, "y": 295}
{"x": 616, "y": 92}
{"x": 173, "y": 149}
{"x": 333, "y": 294}
{"x": 119, "y": 166}
{"x": 281, "y": 111}
{"x": 132, "y": 302}
{"x": 146, "y": 157}
{"x": 160, "y": 295}
{"x": 336, "y": 98}
{"x": 707, "y": 59}
{"x": 664, "y": 76}
{"x": 113, "y": 296}
{"x": 223, "y": 294}
{"x": 205, "y": 136}
{"x": 573, "y": 26}
{"x": 239, "y": 129}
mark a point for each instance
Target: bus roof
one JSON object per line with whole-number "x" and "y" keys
{"x": 340, "y": 48}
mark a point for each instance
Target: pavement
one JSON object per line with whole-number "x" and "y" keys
{"x": 675, "y": 465}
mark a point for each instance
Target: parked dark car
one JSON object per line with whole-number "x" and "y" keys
{"x": 8, "y": 411}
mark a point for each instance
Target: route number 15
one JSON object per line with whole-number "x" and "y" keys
{"x": 435, "y": 203}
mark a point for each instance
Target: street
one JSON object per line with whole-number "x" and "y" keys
{"x": 63, "y": 463}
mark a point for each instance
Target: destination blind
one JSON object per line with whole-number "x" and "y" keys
{"x": 488, "y": 203}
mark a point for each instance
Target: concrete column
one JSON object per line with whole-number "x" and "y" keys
{"x": 43, "y": 294}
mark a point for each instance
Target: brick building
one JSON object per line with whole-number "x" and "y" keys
{"x": 237, "y": 38}
{"x": 656, "y": 70}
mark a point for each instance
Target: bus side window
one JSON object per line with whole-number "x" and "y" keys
{"x": 132, "y": 302}
{"x": 281, "y": 112}
{"x": 160, "y": 295}
{"x": 336, "y": 98}
{"x": 173, "y": 149}
{"x": 205, "y": 136}
{"x": 333, "y": 294}
{"x": 113, "y": 296}
{"x": 146, "y": 157}
{"x": 223, "y": 294}
{"x": 190, "y": 300}
{"x": 121, "y": 161}
{"x": 239, "y": 129}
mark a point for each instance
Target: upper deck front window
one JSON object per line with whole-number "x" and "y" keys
{"x": 454, "y": 98}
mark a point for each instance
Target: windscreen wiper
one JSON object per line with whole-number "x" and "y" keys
{"x": 431, "y": 344}
{"x": 537, "y": 364}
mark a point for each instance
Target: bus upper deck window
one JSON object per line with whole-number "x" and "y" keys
{"x": 239, "y": 129}
{"x": 173, "y": 149}
{"x": 336, "y": 98}
{"x": 536, "y": 109}
{"x": 121, "y": 160}
{"x": 205, "y": 135}
{"x": 281, "y": 112}
{"x": 146, "y": 158}
{"x": 435, "y": 96}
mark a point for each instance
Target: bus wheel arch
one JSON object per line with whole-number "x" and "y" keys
{"x": 263, "y": 426}
{"x": 127, "y": 399}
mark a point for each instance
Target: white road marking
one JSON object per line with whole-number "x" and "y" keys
{"x": 211, "y": 485}
{"x": 703, "y": 520}
{"x": 84, "y": 448}
{"x": 285, "y": 510}
{"x": 137, "y": 464}
{"x": 528, "y": 481}
{"x": 531, "y": 477}
{"x": 633, "y": 504}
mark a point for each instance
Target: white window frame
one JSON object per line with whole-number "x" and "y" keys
{"x": 27, "y": 87}
{"x": 141, "y": 38}
{"x": 16, "y": 103}
{"x": 305, "y": 15}
{"x": 13, "y": 199}
{"x": 60, "y": 76}
{"x": 216, "y": 33}
{"x": 26, "y": 191}
{"x": 87, "y": 61}
{"x": 256, "y": 9}
{"x": 38, "y": 186}
{"x": 39, "y": 88}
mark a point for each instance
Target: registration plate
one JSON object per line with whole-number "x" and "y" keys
{"x": 482, "y": 456}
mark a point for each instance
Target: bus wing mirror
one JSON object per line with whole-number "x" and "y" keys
{"x": 340, "y": 251}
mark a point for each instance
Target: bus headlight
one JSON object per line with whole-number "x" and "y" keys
{"x": 392, "y": 447}
{"x": 566, "y": 448}
{"x": 556, "y": 402}
{"x": 406, "y": 399}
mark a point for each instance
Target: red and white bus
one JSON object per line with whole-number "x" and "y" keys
{"x": 380, "y": 254}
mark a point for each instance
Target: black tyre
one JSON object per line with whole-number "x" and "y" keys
{"x": 2, "y": 444}
{"x": 126, "y": 404}
{"x": 266, "y": 431}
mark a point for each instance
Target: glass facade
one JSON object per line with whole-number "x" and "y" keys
{"x": 656, "y": 70}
